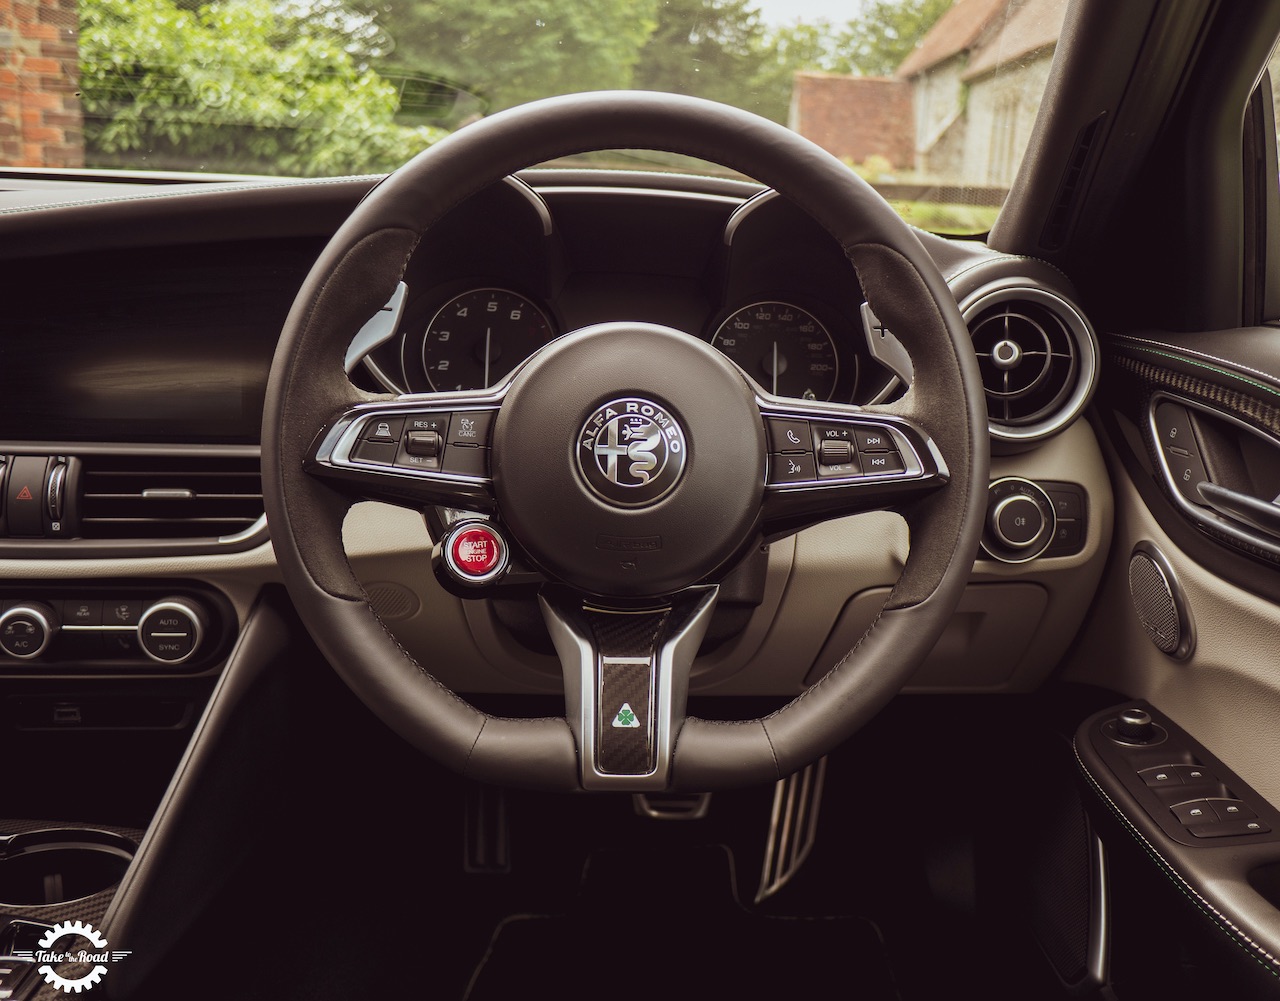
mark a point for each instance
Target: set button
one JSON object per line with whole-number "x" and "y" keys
{"x": 430, "y": 442}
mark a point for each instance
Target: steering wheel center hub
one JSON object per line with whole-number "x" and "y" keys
{"x": 630, "y": 459}
{"x": 631, "y": 451}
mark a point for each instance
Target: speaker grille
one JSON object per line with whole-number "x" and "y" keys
{"x": 1153, "y": 601}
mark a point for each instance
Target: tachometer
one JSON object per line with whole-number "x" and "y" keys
{"x": 783, "y": 347}
{"x": 477, "y": 338}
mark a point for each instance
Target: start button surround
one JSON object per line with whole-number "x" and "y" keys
{"x": 476, "y": 552}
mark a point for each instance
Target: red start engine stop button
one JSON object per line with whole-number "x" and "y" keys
{"x": 476, "y": 553}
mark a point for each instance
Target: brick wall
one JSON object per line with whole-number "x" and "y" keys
{"x": 855, "y": 117}
{"x": 41, "y": 124}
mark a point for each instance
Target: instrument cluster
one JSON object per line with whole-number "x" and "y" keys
{"x": 777, "y": 296}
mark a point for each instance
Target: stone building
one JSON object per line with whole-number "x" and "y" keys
{"x": 976, "y": 80}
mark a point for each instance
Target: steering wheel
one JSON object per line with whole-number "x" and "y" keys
{"x": 628, "y": 464}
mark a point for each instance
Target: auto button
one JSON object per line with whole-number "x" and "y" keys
{"x": 170, "y": 631}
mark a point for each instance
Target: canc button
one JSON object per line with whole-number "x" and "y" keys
{"x": 476, "y": 553}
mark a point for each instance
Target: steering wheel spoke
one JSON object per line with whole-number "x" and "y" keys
{"x": 626, "y": 681}
{"x": 827, "y": 460}
{"x": 413, "y": 452}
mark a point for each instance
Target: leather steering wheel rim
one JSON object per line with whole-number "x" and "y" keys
{"x": 356, "y": 274}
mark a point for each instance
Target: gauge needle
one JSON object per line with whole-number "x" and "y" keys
{"x": 487, "y": 332}
{"x": 775, "y": 368}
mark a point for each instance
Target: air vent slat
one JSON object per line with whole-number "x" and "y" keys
{"x": 1037, "y": 356}
{"x": 157, "y": 496}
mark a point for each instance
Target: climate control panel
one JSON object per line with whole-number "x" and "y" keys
{"x": 51, "y": 628}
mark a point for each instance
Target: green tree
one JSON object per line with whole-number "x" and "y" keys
{"x": 508, "y": 53}
{"x": 705, "y": 48}
{"x": 886, "y": 32}
{"x": 240, "y": 85}
{"x": 787, "y": 50}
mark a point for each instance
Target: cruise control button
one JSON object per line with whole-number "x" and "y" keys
{"x": 792, "y": 468}
{"x": 466, "y": 460}
{"x": 384, "y": 429}
{"x": 427, "y": 444}
{"x": 407, "y": 460}
{"x": 882, "y": 462}
{"x": 471, "y": 427}
{"x": 788, "y": 435}
{"x": 873, "y": 440}
{"x": 383, "y": 453}
{"x": 438, "y": 423}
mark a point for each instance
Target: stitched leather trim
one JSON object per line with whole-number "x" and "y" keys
{"x": 1257, "y": 952}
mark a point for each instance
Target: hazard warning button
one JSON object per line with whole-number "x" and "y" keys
{"x": 26, "y": 486}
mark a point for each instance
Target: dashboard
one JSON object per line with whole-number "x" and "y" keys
{"x": 143, "y": 327}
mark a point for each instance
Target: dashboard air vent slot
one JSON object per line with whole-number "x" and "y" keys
{"x": 1038, "y": 359}
{"x": 158, "y": 496}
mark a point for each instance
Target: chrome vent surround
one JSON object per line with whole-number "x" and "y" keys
{"x": 177, "y": 497}
{"x": 1038, "y": 357}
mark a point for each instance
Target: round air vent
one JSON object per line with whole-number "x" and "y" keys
{"x": 1038, "y": 358}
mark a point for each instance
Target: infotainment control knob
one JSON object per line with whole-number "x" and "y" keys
{"x": 26, "y": 629}
{"x": 170, "y": 631}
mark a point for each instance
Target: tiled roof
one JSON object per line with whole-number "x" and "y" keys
{"x": 1031, "y": 25}
{"x": 958, "y": 30}
{"x": 855, "y": 117}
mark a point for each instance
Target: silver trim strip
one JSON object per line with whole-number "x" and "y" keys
{"x": 1098, "y": 951}
{"x": 259, "y": 527}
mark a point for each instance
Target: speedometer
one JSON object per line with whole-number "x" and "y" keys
{"x": 783, "y": 347}
{"x": 476, "y": 338}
